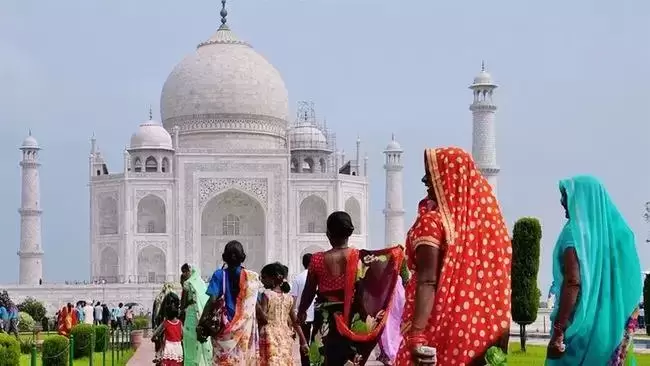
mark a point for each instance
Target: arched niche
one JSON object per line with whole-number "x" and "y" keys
{"x": 353, "y": 208}
{"x": 232, "y": 215}
{"x": 151, "y": 165}
{"x": 151, "y": 265}
{"x": 152, "y": 215}
{"x": 108, "y": 216}
{"x": 313, "y": 215}
{"x": 109, "y": 265}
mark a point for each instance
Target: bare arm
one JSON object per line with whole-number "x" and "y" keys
{"x": 427, "y": 259}
{"x": 261, "y": 309}
{"x": 570, "y": 289}
{"x": 296, "y": 325}
{"x": 308, "y": 293}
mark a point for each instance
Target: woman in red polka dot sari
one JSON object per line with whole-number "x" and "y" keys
{"x": 458, "y": 300}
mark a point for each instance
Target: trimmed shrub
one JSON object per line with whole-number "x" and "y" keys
{"x": 82, "y": 340}
{"x": 9, "y": 350}
{"x": 101, "y": 338}
{"x": 26, "y": 346}
{"x": 55, "y": 351}
{"x": 140, "y": 322}
{"x": 34, "y": 308}
{"x": 526, "y": 236}
{"x": 25, "y": 322}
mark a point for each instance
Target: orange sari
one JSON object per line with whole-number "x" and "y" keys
{"x": 67, "y": 319}
{"x": 471, "y": 309}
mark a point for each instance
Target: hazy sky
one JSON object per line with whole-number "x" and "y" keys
{"x": 574, "y": 86}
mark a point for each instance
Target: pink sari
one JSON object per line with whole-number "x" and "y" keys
{"x": 391, "y": 337}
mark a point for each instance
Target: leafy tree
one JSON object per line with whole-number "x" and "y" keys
{"x": 34, "y": 308}
{"x": 646, "y": 301}
{"x": 526, "y": 236}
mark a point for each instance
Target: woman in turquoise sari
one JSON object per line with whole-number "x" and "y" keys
{"x": 597, "y": 269}
{"x": 192, "y": 303}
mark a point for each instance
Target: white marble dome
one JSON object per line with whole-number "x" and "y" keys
{"x": 151, "y": 135}
{"x": 483, "y": 78}
{"x": 306, "y": 136}
{"x": 30, "y": 143}
{"x": 223, "y": 78}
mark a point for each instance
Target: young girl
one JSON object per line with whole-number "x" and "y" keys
{"x": 276, "y": 318}
{"x": 171, "y": 331}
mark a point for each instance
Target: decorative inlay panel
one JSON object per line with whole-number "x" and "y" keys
{"x": 274, "y": 202}
{"x": 160, "y": 244}
{"x": 256, "y": 187}
{"x": 304, "y": 194}
{"x": 140, "y": 194}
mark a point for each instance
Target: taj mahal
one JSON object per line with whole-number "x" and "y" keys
{"x": 227, "y": 161}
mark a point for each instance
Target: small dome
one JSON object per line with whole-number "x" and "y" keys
{"x": 151, "y": 135}
{"x": 483, "y": 78}
{"x": 393, "y": 145}
{"x": 306, "y": 136}
{"x": 30, "y": 143}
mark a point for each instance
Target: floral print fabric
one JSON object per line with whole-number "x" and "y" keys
{"x": 276, "y": 337}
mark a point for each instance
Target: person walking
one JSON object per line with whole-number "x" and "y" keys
{"x": 296, "y": 291}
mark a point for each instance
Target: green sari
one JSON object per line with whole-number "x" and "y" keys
{"x": 195, "y": 353}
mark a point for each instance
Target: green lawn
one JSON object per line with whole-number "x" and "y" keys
{"x": 97, "y": 360}
{"x": 535, "y": 355}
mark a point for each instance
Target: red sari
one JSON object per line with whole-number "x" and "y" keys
{"x": 471, "y": 309}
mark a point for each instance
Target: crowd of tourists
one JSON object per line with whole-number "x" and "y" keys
{"x": 118, "y": 318}
{"x": 441, "y": 298}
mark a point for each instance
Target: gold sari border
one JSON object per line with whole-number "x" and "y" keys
{"x": 447, "y": 222}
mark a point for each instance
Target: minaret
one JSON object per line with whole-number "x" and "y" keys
{"x": 484, "y": 150}
{"x": 31, "y": 252}
{"x": 394, "y": 211}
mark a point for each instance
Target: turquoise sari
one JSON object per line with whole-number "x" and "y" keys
{"x": 600, "y": 330}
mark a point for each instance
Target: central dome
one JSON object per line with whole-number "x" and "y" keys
{"x": 225, "y": 86}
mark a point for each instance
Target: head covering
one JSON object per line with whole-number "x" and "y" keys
{"x": 473, "y": 296}
{"x": 199, "y": 287}
{"x": 610, "y": 281}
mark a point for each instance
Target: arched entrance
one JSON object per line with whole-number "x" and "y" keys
{"x": 232, "y": 215}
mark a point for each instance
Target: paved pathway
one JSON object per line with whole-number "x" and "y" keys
{"x": 144, "y": 355}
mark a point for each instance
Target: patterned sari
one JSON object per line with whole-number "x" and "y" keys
{"x": 237, "y": 344}
{"x": 348, "y": 330}
{"x": 471, "y": 309}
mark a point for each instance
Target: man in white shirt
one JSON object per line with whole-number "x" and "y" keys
{"x": 296, "y": 291}
{"x": 88, "y": 312}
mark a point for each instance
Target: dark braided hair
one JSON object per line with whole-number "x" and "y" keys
{"x": 233, "y": 255}
{"x": 279, "y": 273}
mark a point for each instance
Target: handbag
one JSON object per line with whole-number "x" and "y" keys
{"x": 214, "y": 321}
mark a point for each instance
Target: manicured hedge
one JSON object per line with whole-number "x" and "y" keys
{"x": 82, "y": 340}
{"x": 55, "y": 351}
{"x": 9, "y": 350}
{"x": 101, "y": 338}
